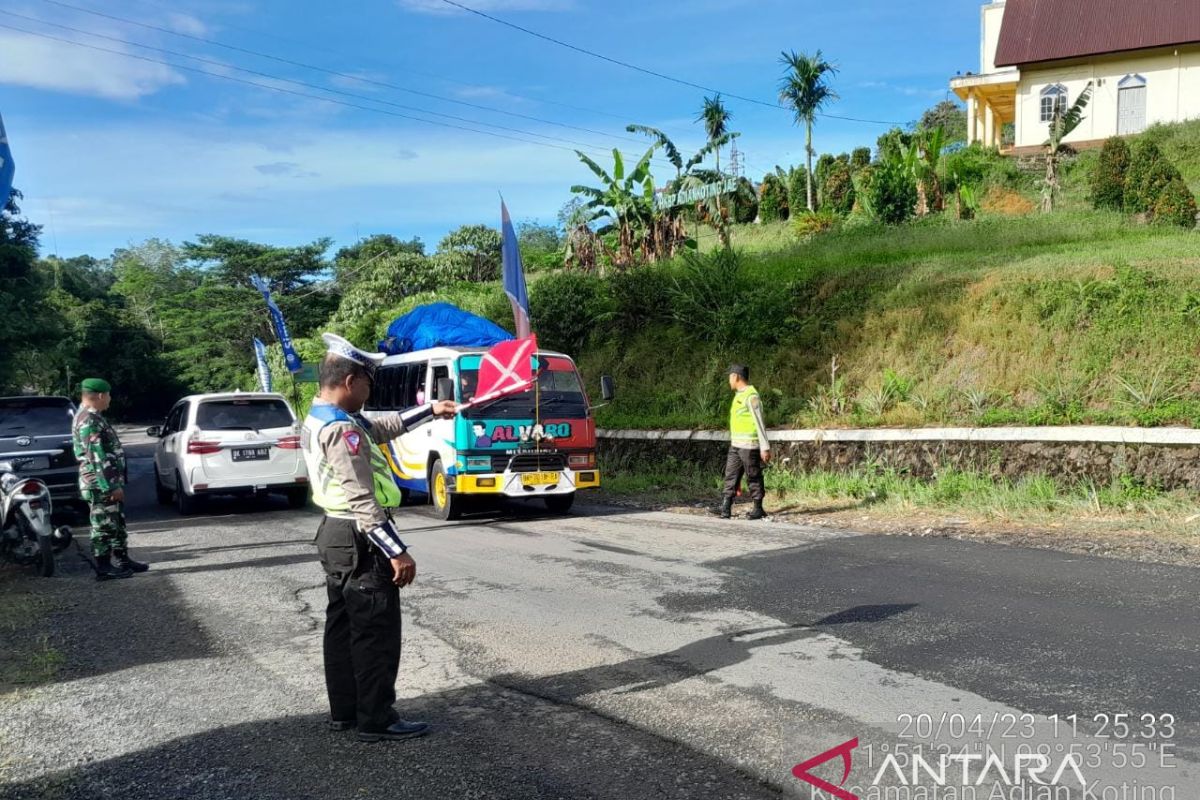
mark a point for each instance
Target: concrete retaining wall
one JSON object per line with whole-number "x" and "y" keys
{"x": 1165, "y": 457}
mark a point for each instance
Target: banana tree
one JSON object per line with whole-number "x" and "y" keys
{"x": 1061, "y": 127}
{"x": 687, "y": 176}
{"x": 625, "y": 199}
{"x": 929, "y": 144}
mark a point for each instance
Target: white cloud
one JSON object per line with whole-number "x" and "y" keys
{"x": 186, "y": 23}
{"x": 438, "y": 7}
{"x": 58, "y": 66}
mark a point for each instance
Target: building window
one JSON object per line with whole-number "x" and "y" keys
{"x": 1054, "y": 102}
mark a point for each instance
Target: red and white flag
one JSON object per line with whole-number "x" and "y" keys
{"x": 506, "y": 369}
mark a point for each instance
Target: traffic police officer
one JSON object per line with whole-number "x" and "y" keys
{"x": 102, "y": 481}
{"x": 364, "y": 559}
{"x": 749, "y": 448}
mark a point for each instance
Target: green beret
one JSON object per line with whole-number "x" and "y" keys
{"x": 96, "y": 385}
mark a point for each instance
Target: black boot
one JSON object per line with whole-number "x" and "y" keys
{"x": 122, "y": 560}
{"x": 758, "y": 512}
{"x": 107, "y": 571}
{"x": 725, "y": 510}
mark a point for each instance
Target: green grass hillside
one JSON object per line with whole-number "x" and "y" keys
{"x": 1070, "y": 318}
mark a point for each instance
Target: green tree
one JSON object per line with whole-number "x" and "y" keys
{"x": 825, "y": 161}
{"x": 950, "y": 117}
{"x": 1176, "y": 205}
{"x": 838, "y": 190}
{"x": 477, "y": 248}
{"x": 349, "y": 263}
{"x": 861, "y": 157}
{"x": 1108, "y": 177}
{"x": 805, "y": 90}
{"x": 772, "y": 198}
{"x": 23, "y": 324}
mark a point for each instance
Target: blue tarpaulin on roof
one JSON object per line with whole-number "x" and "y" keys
{"x": 440, "y": 325}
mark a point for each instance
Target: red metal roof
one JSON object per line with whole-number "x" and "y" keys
{"x": 1050, "y": 30}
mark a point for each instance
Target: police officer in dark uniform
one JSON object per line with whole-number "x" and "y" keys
{"x": 364, "y": 558}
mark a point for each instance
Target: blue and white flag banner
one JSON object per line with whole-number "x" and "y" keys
{"x": 289, "y": 352}
{"x": 264, "y": 369}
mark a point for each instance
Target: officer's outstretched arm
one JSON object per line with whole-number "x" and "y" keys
{"x": 385, "y": 429}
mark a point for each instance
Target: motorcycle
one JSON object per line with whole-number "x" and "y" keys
{"x": 26, "y": 535}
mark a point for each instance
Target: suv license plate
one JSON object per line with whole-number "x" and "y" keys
{"x": 539, "y": 479}
{"x": 252, "y": 454}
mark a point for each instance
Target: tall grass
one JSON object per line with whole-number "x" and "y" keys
{"x": 951, "y": 491}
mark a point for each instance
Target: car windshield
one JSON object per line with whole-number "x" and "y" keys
{"x": 243, "y": 415}
{"x": 558, "y": 394}
{"x": 35, "y": 417}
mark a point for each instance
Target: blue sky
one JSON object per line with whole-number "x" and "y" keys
{"x": 112, "y": 150}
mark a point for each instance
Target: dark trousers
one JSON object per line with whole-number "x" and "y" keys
{"x": 362, "y": 627}
{"x": 748, "y": 462}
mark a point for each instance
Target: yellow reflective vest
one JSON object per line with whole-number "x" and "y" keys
{"x": 326, "y": 487}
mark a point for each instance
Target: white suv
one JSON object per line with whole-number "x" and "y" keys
{"x": 230, "y": 443}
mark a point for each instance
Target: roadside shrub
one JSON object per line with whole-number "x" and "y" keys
{"x": 892, "y": 193}
{"x": 981, "y": 167}
{"x": 1149, "y": 174}
{"x": 569, "y": 306}
{"x": 1108, "y": 177}
{"x": 837, "y": 193}
{"x": 811, "y": 223}
{"x": 636, "y": 298}
{"x": 1176, "y": 205}
{"x": 772, "y": 199}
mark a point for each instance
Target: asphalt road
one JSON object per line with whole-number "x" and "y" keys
{"x": 613, "y": 654}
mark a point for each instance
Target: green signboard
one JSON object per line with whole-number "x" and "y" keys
{"x": 695, "y": 194}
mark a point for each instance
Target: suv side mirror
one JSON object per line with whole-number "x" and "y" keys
{"x": 155, "y": 432}
{"x": 445, "y": 389}
{"x": 608, "y": 389}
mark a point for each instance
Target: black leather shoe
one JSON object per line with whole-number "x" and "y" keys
{"x": 758, "y": 512}
{"x": 340, "y": 724}
{"x": 400, "y": 729}
{"x": 725, "y": 510}
{"x": 107, "y": 571}
{"x": 122, "y": 560}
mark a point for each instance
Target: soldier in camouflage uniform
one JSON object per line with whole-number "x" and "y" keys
{"x": 102, "y": 481}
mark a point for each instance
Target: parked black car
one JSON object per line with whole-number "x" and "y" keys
{"x": 35, "y": 434}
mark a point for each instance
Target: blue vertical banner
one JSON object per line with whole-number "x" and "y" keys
{"x": 289, "y": 352}
{"x": 264, "y": 369}
{"x": 7, "y": 167}
{"x": 514, "y": 274}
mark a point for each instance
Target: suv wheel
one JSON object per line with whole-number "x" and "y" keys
{"x": 161, "y": 492}
{"x": 185, "y": 503}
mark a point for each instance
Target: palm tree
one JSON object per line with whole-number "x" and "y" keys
{"x": 715, "y": 117}
{"x": 804, "y": 90}
{"x": 1060, "y": 128}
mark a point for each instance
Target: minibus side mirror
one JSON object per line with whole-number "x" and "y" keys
{"x": 608, "y": 389}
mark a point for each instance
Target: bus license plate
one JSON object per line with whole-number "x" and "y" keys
{"x": 252, "y": 454}
{"x": 539, "y": 479}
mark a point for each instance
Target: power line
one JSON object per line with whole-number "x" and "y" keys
{"x": 377, "y": 62}
{"x": 283, "y": 90}
{"x": 304, "y": 84}
{"x": 636, "y": 68}
{"x": 313, "y": 67}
